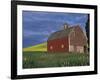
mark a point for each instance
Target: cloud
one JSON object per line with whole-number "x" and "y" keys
{"x": 28, "y": 33}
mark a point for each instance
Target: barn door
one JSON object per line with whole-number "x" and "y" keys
{"x": 75, "y": 48}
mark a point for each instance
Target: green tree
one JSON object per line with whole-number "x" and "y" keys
{"x": 87, "y": 28}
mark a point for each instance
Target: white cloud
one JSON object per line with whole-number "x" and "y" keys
{"x": 28, "y": 33}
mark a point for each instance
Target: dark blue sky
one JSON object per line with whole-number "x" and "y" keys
{"x": 37, "y": 26}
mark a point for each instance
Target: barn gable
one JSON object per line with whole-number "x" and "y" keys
{"x": 77, "y": 40}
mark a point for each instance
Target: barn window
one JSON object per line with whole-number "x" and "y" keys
{"x": 62, "y": 46}
{"x": 51, "y": 47}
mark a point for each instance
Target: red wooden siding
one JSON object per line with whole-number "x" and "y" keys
{"x": 77, "y": 38}
{"x": 58, "y": 45}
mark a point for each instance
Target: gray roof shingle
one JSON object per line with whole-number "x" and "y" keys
{"x": 60, "y": 34}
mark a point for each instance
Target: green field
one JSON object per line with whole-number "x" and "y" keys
{"x": 42, "y": 59}
{"x": 38, "y": 47}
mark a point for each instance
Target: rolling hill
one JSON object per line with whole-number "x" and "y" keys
{"x": 38, "y": 47}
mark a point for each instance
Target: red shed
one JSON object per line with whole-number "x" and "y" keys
{"x": 70, "y": 39}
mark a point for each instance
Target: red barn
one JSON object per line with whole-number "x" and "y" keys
{"x": 70, "y": 39}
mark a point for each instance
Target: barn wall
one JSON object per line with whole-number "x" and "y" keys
{"x": 71, "y": 48}
{"x": 58, "y": 45}
{"x": 77, "y": 37}
{"x": 77, "y": 40}
{"x": 79, "y": 49}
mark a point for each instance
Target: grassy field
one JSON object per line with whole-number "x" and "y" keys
{"x": 42, "y": 59}
{"x": 38, "y": 47}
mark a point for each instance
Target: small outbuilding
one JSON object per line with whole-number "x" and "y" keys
{"x": 70, "y": 39}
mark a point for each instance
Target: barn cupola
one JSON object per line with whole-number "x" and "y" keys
{"x": 66, "y": 26}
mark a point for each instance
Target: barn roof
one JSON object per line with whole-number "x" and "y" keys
{"x": 60, "y": 34}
